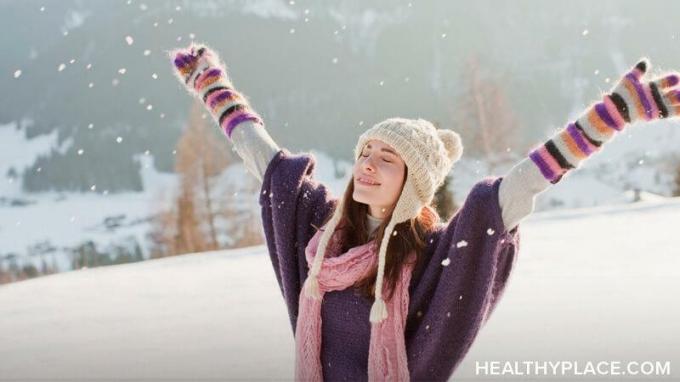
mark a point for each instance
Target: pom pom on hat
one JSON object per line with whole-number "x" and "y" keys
{"x": 452, "y": 142}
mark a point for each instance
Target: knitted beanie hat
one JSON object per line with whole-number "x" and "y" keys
{"x": 429, "y": 154}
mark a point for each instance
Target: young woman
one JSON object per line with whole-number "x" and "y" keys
{"x": 401, "y": 295}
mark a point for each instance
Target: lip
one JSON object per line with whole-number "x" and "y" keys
{"x": 364, "y": 183}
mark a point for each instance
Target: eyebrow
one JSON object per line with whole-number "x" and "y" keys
{"x": 385, "y": 150}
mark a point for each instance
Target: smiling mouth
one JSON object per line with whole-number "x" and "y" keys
{"x": 365, "y": 183}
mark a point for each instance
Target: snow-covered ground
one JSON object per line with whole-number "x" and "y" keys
{"x": 590, "y": 284}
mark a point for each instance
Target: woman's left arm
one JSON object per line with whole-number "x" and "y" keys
{"x": 632, "y": 99}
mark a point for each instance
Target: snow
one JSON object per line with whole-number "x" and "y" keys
{"x": 574, "y": 295}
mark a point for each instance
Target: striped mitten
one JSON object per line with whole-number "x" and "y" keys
{"x": 632, "y": 99}
{"x": 202, "y": 73}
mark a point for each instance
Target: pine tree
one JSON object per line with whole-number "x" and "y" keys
{"x": 443, "y": 200}
{"x": 676, "y": 191}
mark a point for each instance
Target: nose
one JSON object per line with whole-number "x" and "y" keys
{"x": 367, "y": 164}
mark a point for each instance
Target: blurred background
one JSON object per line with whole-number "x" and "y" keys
{"x": 101, "y": 146}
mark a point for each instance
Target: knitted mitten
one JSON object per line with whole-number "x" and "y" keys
{"x": 632, "y": 99}
{"x": 202, "y": 73}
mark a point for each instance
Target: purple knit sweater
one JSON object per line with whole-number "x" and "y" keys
{"x": 448, "y": 303}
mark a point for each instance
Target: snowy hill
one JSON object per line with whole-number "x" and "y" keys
{"x": 590, "y": 284}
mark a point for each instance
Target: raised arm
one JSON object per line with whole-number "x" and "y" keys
{"x": 202, "y": 73}
{"x": 633, "y": 99}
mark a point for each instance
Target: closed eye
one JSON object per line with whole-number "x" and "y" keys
{"x": 384, "y": 160}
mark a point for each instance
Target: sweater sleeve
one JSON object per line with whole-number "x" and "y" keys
{"x": 293, "y": 205}
{"x": 255, "y": 146}
{"x": 458, "y": 283}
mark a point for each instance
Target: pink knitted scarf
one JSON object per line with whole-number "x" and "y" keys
{"x": 387, "y": 351}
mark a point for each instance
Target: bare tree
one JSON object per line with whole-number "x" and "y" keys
{"x": 484, "y": 117}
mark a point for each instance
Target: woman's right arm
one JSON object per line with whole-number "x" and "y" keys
{"x": 205, "y": 76}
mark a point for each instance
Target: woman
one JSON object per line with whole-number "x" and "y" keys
{"x": 401, "y": 295}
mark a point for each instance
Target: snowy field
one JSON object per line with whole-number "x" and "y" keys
{"x": 590, "y": 284}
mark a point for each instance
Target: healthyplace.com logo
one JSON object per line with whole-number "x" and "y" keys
{"x": 573, "y": 368}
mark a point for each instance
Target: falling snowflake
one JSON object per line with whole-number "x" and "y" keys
{"x": 448, "y": 314}
{"x": 90, "y": 85}
{"x": 461, "y": 243}
{"x": 115, "y": 82}
{"x": 178, "y": 8}
{"x": 381, "y": 83}
{"x": 149, "y": 107}
{"x": 129, "y": 40}
{"x": 147, "y": 52}
{"x": 335, "y": 60}
{"x": 80, "y": 151}
{"x": 170, "y": 20}
{"x": 585, "y": 32}
{"x": 119, "y": 139}
{"x": 38, "y": 169}
{"x": 88, "y": 67}
{"x": 72, "y": 61}
{"x": 443, "y": 35}
{"x": 122, "y": 70}
{"x": 460, "y": 297}
{"x": 93, "y": 187}
{"x": 143, "y": 7}
{"x": 446, "y": 262}
{"x": 490, "y": 231}
{"x": 292, "y": 30}
{"x": 90, "y": 126}
{"x": 142, "y": 100}
{"x": 42, "y": 9}
{"x": 147, "y": 152}
{"x": 61, "y": 67}
{"x": 597, "y": 72}
{"x": 394, "y": 233}
{"x": 162, "y": 115}
{"x": 155, "y": 24}
{"x": 154, "y": 76}
{"x": 17, "y": 73}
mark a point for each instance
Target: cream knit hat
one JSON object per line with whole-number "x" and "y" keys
{"x": 429, "y": 153}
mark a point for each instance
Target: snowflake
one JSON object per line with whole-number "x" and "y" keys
{"x": 446, "y": 262}
{"x": 461, "y": 243}
{"x": 17, "y": 73}
{"x": 129, "y": 40}
{"x": 490, "y": 231}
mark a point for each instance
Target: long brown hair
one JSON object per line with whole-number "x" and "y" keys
{"x": 410, "y": 237}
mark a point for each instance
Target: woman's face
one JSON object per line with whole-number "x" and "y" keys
{"x": 380, "y": 164}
